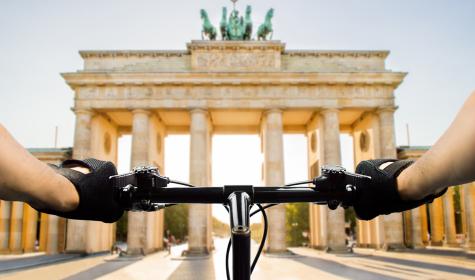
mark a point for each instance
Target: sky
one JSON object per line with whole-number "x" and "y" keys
{"x": 431, "y": 40}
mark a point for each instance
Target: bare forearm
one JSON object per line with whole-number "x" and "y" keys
{"x": 449, "y": 162}
{"x": 25, "y": 178}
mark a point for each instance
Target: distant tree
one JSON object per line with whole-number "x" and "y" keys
{"x": 220, "y": 229}
{"x": 176, "y": 220}
{"x": 297, "y": 224}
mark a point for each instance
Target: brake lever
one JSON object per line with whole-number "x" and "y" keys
{"x": 130, "y": 187}
{"x": 337, "y": 179}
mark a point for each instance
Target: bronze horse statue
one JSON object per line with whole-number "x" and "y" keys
{"x": 266, "y": 28}
{"x": 247, "y": 24}
{"x": 208, "y": 29}
{"x": 223, "y": 25}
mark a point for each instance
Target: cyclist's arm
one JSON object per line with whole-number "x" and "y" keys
{"x": 451, "y": 161}
{"x": 25, "y": 178}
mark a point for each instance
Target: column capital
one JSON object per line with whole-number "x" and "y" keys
{"x": 386, "y": 109}
{"x": 325, "y": 111}
{"x": 141, "y": 111}
{"x": 199, "y": 110}
{"x": 273, "y": 110}
{"x": 83, "y": 111}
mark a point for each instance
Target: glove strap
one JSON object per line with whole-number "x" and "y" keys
{"x": 395, "y": 168}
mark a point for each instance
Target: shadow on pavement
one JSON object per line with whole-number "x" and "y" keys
{"x": 29, "y": 262}
{"x": 441, "y": 252}
{"x": 100, "y": 270}
{"x": 194, "y": 269}
{"x": 418, "y": 264}
{"x": 341, "y": 270}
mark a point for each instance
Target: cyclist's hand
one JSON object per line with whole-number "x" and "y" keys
{"x": 381, "y": 196}
{"x": 96, "y": 201}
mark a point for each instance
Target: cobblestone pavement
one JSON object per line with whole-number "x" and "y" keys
{"x": 305, "y": 264}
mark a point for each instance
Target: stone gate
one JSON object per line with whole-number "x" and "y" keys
{"x": 240, "y": 87}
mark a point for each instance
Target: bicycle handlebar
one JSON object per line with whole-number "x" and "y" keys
{"x": 144, "y": 189}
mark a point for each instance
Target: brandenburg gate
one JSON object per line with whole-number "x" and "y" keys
{"x": 234, "y": 87}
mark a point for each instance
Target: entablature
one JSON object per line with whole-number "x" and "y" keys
{"x": 228, "y": 78}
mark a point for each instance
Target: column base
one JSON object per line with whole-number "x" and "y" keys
{"x": 339, "y": 250}
{"x": 136, "y": 252}
{"x": 451, "y": 244}
{"x": 82, "y": 252}
{"x": 281, "y": 254}
{"x": 195, "y": 252}
{"x": 394, "y": 247}
{"x": 336, "y": 249}
{"x": 16, "y": 251}
{"x": 416, "y": 247}
{"x": 277, "y": 252}
{"x": 436, "y": 243}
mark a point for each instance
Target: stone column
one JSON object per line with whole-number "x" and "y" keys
{"x": 368, "y": 230}
{"x": 313, "y": 171}
{"x": 469, "y": 196}
{"x": 5, "y": 214}
{"x": 449, "y": 219}
{"x": 335, "y": 222}
{"x": 416, "y": 229}
{"x": 424, "y": 224}
{"x": 77, "y": 229}
{"x": 15, "y": 242}
{"x": 82, "y": 134}
{"x": 436, "y": 211}
{"x": 52, "y": 235}
{"x": 156, "y": 156}
{"x": 137, "y": 221}
{"x": 393, "y": 225}
{"x": 200, "y": 156}
{"x": 30, "y": 224}
{"x": 273, "y": 148}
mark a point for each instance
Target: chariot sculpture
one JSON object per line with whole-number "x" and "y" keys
{"x": 236, "y": 27}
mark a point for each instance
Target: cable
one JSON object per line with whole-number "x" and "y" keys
{"x": 264, "y": 236}
{"x": 298, "y": 183}
{"x": 181, "y": 183}
{"x": 228, "y": 249}
{"x": 227, "y": 259}
{"x": 263, "y": 207}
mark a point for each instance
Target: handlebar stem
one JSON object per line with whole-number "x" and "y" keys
{"x": 239, "y": 205}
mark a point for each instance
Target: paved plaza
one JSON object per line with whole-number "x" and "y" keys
{"x": 305, "y": 264}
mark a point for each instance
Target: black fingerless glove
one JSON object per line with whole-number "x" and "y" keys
{"x": 381, "y": 196}
{"x": 96, "y": 201}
